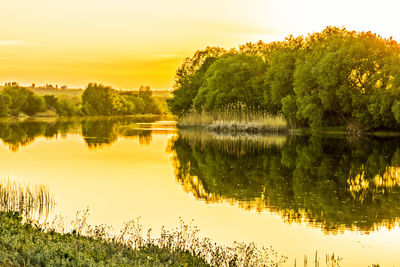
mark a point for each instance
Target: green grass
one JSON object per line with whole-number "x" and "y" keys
{"x": 27, "y": 240}
{"x": 23, "y": 244}
{"x": 26, "y": 243}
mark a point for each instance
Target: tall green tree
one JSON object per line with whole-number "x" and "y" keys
{"x": 232, "y": 79}
{"x": 190, "y": 77}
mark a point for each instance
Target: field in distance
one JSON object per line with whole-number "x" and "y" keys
{"x": 78, "y": 92}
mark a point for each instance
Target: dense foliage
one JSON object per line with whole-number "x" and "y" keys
{"x": 16, "y": 99}
{"x": 335, "y": 77}
{"x": 103, "y": 100}
{"x": 96, "y": 100}
{"x": 329, "y": 182}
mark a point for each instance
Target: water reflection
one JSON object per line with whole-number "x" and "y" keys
{"x": 96, "y": 132}
{"x": 331, "y": 183}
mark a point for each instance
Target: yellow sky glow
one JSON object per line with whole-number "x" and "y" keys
{"x": 127, "y": 43}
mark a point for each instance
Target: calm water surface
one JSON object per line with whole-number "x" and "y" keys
{"x": 297, "y": 194}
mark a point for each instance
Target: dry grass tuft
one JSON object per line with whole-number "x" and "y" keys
{"x": 235, "y": 118}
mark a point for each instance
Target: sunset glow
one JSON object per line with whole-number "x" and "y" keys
{"x": 126, "y": 43}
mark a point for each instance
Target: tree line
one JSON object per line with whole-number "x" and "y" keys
{"x": 96, "y": 100}
{"x": 330, "y": 78}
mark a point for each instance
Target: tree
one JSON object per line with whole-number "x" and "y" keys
{"x": 330, "y": 78}
{"x": 5, "y": 102}
{"x": 24, "y": 100}
{"x": 51, "y": 102}
{"x": 190, "y": 77}
{"x": 279, "y": 77}
{"x": 232, "y": 79}
{"x": 33, "y": 105}
{"x": 98, "y": 99}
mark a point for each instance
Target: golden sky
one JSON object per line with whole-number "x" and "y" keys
{"x": 127, "y": 43}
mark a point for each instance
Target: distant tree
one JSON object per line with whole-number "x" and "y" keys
{"x": 151, "y": 104}
{"x": 137, "y": 104}
{"x": 51, "y": 102}
{"x": 23, "y": 100}
{"x": 5, "y": 102}
{"x": 33, "y": 105}
{"x": 145, "y": 91}
{"x": 68, "y": 108}
{"x": 98, "y": 99}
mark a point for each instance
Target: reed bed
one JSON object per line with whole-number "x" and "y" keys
{"x": 235, "y": 118}
{"x": 33, "y": 202}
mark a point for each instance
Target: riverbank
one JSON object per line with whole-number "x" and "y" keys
{"x": 232, "y": 122}
{"x": 27, "y": 243}
{"x": 23, "y": 244}
{"x": 28, "y": 237}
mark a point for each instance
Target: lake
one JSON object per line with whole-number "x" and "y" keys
{"x": 298, "y": 194}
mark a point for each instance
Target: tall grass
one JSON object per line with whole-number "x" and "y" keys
{"x": 132, "y": 242}
{"x": 183, "y": 238}
{"x": 33, "y": 202}
{"x": 237, "y": 118}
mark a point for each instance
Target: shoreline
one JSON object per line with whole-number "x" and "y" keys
{"x": 232, "y": 128}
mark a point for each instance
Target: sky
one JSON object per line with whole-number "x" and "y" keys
{"x": 128, "y": 43}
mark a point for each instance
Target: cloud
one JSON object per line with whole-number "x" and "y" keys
{"x": 15, "y": 42}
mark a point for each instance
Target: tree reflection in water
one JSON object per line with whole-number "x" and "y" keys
{"x": 96, "y": 132}
{"x": 329, "y": 182}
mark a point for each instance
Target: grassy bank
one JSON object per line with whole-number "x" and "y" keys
{"x": 235, "y": 119}
{"x": 29, "y": 238}
{"x": 23, "y": 244}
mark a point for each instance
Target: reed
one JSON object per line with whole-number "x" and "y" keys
{"x": 33, "y": 202}
{"x": 235, "y": 118}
